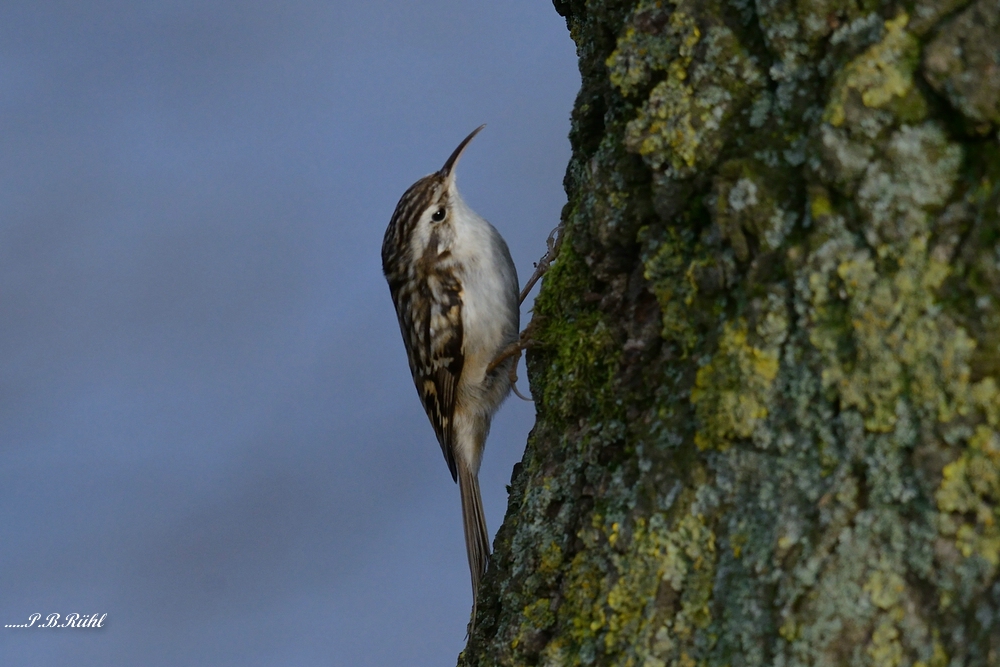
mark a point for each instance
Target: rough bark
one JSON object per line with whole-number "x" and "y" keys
{"x": 767, "y": 358}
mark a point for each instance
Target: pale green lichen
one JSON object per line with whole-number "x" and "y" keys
{"x": 746, "y": 205}
{"x": 914, "y": 178}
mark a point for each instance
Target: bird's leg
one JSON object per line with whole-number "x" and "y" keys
{"x": 552, "y": 245}
{"x": 514, "y": 350}
{"x": 525, "y": 340}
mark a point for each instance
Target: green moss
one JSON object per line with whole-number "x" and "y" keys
{"x": 581, "y": 370}
{"x": 581, "y": 358}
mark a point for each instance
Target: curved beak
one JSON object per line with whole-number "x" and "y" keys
{"x": 448, "y": 170}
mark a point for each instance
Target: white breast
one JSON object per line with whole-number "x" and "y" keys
{"x": 490, "y": 315}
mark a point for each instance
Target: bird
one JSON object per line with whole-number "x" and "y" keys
{"x": 455, "y": 290}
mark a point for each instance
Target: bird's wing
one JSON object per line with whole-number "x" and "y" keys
{"x": 434, "y": 345}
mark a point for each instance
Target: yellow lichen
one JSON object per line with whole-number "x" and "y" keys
{"x": 898, "y": 339}
{"x": 986, "y": 396}
{"x": 671, "y": 275}
{"x": 666, "y": 124}
{"x": 885, "y": 587}
{"x": 789, "y": 630}
{"x": 614, "y": 534}
{"x": 537, "y": 615}
{"x": 639, "y": 53}
{"x": 682, "y": 558}
{"x": 550, "y": 560}
{"x": 819, "y": 206}
{"x": 732, "y": 391}
{"x": 609, "y": 608}
{"x": 680, "y": 125}
{"x": 880, "y": 75}
{"x": 885, "y": 648}
{"x": 970, "y": 486}
{"x": 583, "y": 600}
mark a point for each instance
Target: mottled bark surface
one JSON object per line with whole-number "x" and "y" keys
{"x": 768, "y": 352}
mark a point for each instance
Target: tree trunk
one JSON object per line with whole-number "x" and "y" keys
{"x": 767, "y": 354}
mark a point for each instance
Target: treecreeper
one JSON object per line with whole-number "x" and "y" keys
{"x": 455, "y": 290}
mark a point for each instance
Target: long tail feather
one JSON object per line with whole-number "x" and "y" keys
{"x": 477, "y": 539}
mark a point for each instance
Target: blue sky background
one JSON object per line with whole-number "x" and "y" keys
{"x": 207, "y": 426}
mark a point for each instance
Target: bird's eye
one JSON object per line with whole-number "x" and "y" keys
{"x": 438, "y": 215}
